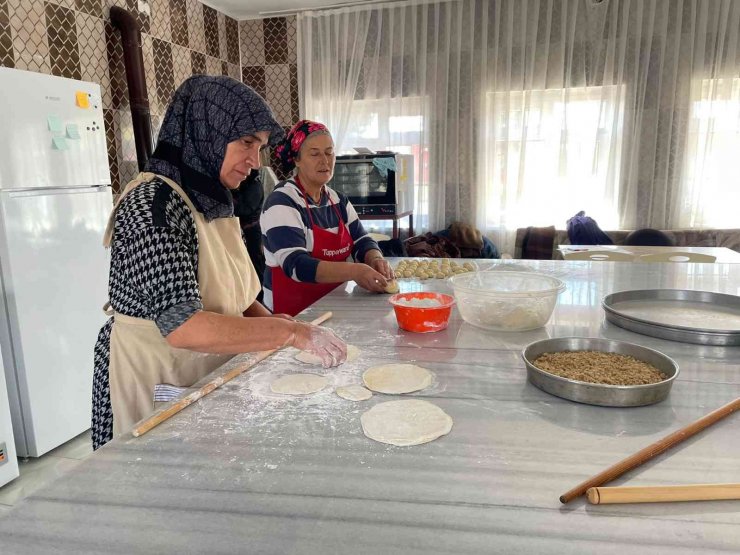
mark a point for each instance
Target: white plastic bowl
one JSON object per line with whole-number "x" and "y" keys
{"x": 506, "y": 301}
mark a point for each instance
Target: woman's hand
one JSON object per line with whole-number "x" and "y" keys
{"x": 321, "y": 342}
{"x": 382, "y": 266}
{"x": 282, "y": 316}
{"x": 368, "y": 278}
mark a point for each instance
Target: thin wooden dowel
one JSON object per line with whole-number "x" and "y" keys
{"x": 157, "y": 418}
{"x": 651, "y": 451}
{"x": 662, "y": 494}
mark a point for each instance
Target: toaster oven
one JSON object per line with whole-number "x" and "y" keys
{"x": 376, "y": 184}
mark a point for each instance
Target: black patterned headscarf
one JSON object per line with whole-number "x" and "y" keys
{"x": 207, "y": 113}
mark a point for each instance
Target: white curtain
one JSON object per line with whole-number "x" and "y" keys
{"x": 523, "y": 112}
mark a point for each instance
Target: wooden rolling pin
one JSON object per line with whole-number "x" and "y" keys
{"x": 650, "y": 451}
{"x": 157, "y": 418}
{"x": 659, "y": 494}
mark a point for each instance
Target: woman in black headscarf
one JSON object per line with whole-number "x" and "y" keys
{"x": 182, "y": 288}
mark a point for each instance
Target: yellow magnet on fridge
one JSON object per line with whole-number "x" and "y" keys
{"x": 83, "y": 101}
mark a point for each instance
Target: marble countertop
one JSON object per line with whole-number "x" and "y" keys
{"x": 248, "y": 471}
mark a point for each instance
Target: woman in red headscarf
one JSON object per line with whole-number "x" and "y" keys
{"x": 312, "y": 237}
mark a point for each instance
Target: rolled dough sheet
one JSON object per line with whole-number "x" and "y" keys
{"x": 686, "y": 314}
{"x": 354, "y": 392}
{"x": 353, "y": 353}
{"x": 299, "y": 384}
{"x": 404, "y": 423}
{"x": 397, "y": 378}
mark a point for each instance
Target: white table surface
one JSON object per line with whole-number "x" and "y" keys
{"x": 246, "y": 471}
{"x": 723, "y": 254}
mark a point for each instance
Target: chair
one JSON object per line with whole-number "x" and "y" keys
{"x": 599, "y": 256}
{"x": 676, "y": 256}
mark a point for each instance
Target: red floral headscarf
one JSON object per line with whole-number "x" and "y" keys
{"x": 288, "y": 148}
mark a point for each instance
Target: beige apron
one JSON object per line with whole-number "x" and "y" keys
{"x": 140, "y": 357}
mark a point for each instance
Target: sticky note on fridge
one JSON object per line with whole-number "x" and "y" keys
{"x": 72, "y": 131}
{"x": 82, "y": 100}
{"x": 55, "y": 124}
{"x": 59, "y": 143}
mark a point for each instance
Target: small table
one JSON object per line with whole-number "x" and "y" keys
{"x": 723, "y": 254}
{"x": 395, "y": 218}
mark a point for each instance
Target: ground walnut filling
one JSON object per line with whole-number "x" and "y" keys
{"x": 599, "y": 367}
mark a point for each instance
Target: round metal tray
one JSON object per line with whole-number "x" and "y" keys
{"x": 600, "y": 394}
{"x": 722, "y": 338}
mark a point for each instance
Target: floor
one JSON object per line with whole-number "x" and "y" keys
{"x": 38, "y": 472}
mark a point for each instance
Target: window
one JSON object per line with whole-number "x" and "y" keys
{"x": 711, "y": 171}
{"x": 550, "y": 153}
{"x": 396, "y": 124}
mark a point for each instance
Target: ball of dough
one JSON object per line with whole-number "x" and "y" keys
{"x": 392, "y": 287}
{"x": 408, "y": 274}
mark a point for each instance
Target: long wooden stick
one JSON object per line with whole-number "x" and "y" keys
{"x": 658, "y": 494}
{"x": 650, "y": 451}
{"x": 156, "y": 419}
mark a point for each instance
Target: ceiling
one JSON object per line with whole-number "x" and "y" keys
{"x": 252, "y": 9}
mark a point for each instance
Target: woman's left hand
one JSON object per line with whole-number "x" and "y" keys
{"x": 382, "y": 266}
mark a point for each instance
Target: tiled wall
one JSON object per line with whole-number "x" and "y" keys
{"x": 74, "y": 38}
{"x": 269, "y": 65}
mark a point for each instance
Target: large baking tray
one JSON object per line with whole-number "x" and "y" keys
{"x": 674, "y": 298}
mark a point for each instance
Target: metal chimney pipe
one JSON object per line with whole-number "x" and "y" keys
{"x": 136, "y": 80}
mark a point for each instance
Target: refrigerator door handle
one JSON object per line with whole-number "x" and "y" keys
{"x": 20, "y": 193}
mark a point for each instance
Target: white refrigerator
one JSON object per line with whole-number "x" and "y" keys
{"x": 8, "y": 461}
{"x": 55, "y": 198}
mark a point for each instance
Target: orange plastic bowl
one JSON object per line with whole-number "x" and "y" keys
{"x": 422, "y": 319}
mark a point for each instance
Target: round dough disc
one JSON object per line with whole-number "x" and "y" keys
{"x": 397, "y": 378}
{"x": 392, "y": 287}
{"x": 407, "y": 422}
{"x": 353, "y": 353}
{"x": 354, "y": 393}
{"x": 299, "y": 384}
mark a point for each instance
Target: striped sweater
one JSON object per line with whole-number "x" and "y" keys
{"x": 287, "y": 237}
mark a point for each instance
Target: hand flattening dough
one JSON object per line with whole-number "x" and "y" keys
{"x": 404, "y": 423}
{"x": 299, "y": 384}
{"x": 392, "y": 287}
{"x": 353, "y": 353}
{"x": 354, "y": 392}
{"x": 397, "y": 378}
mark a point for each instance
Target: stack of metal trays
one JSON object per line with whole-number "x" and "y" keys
{"x": 684, "y": 315}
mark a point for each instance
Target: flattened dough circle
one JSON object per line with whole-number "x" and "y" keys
{"x": 397, "y": 378}
{"x": 354, "y": 392}
{"x": 404, "y": 423}
{"x": 353, "y": 353}
{"x": 299, "y": 384}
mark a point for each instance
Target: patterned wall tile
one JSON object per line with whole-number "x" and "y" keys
{"x": 252, "y": 42}
{"x": 292, "y": 35}
{"x": 210, "y": 22}
{"x": 254, "y": 76}
{"x": 196, "y": 29}
{"x": 232, "y": 40}
{"x": 181, "y": 64}
{"x": 213, "y": 66}
{"x": 92, "y": 52}
{"x": 198, "y": 63}
{"x": 179, "y": 22}
{"x": 70, "y": 4}
{"x": 90, "y": 7}
{"x": 224, "y": 68}
{"x": 295, "y": 100}
{"x": 116, "y": 70}
{"x": 111, "y": 143}
{"x": 142, "y": 17}
{"x": 147, "y": 49}
{"x": 163, "y": 70}
{"x": 276, "y": 40}
{"x": 28, "y": 27}
{"x": 222, "y": 46}
{"x": 6, "y": 39}
{"x": 61, "y": 30}
{"x": 235, "y": 71}
{"x": 277, "y": 84}
{"x": 161, "y": 20}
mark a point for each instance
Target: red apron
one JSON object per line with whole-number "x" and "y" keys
{"x": 290, "y": 296}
